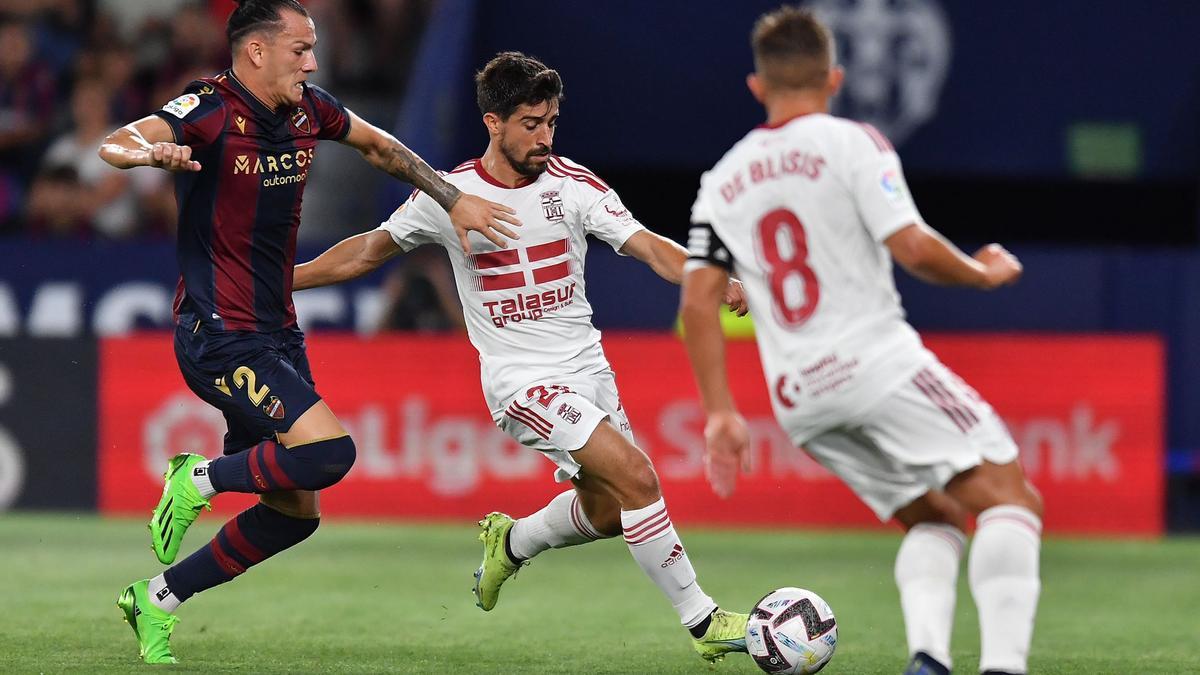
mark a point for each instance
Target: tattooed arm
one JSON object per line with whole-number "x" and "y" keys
{"x": 467, "y": 212}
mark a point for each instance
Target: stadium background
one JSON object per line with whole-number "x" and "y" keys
{"x": 1083, "y": 160}
{"x": 1069, "y": 131}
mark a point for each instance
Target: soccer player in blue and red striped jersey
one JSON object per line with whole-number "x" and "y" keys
{"x": 241, "y": 145}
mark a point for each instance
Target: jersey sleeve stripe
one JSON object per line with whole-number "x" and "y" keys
{"x": 879, "y": 139}
{"x": 578, "y": 179}
{"x": 572, "y": 167}
{"x": 543, "y": 251}
{"x": 486, "y": 261}
{"x": 582, "y": 175}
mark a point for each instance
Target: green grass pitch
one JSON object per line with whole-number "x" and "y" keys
{"x": 382, "y": 597}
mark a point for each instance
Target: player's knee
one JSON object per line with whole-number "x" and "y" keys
{"x": 322, "y": 464}
{"x": 643, "y": 480}
{"x": 1032, "y": 499}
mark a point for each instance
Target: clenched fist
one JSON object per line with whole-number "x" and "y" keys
{"x": 172, "y": 157}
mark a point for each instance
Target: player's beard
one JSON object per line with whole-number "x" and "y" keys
{"x": 526, "y": 167}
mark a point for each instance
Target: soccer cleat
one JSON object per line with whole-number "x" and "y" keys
{"x": 150, "y": 625}
{"x": 496, "y": 567}
{"x": 924, "y": 664}
{"x": 726, "y": 634}
{"x": 177, "y": 508}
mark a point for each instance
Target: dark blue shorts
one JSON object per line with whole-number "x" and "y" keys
{"x": 260, "y": 381}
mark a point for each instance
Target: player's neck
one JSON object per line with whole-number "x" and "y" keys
{"x": 785, "y": 106}
{"x": 497, "y": 167}
{"x": 256, "y": 89}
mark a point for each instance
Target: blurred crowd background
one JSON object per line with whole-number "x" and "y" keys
{"x": 73, "y": 70}
{"x": 1069, "y": 131}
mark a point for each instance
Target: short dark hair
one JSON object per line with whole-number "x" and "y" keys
{"x": 792, "y": 49}
{"x": 511, "y": 80}
{"x": 258, "y": 15}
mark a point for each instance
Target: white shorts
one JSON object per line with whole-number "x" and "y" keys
{"x": 558, "y": 417}
{"x": 916, "y": 439}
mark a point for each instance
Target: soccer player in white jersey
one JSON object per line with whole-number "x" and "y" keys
{"x": 808, "y": 211}
{"x": 545, "y": 376}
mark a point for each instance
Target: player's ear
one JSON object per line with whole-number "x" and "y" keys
{"x": 254, "y": 50}
{"x": 837, "y": 75}
{"x": 756, "y": 86}
{"x": 493, "y": 123}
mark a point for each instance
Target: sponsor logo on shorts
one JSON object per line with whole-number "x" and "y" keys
{"x": 274, "y": 408}
{"x": 569, "y": 414}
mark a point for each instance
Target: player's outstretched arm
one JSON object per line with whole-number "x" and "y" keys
{"x": 667, "y": 258}
{"x": 147, "y": 142}
{"x": 726, "y": 436}
{"x": 348, "y": 259}
{"x": 927, "y": 255}
{"x": 467, "y": 212}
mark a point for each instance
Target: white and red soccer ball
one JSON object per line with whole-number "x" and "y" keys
{"x": 791, "y": 630}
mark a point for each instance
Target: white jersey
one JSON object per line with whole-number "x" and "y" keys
{"x": 800, "y": 212}
{"x": 526, "y": 306}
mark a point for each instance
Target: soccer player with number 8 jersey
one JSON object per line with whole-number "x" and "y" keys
{"x": 808, "y": 211}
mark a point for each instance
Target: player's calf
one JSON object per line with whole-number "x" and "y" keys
{"x": 254, "y": 535}
{"x": 1003, "y": 566}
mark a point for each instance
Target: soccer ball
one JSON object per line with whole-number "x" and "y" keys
{"x": 791, "y": 630}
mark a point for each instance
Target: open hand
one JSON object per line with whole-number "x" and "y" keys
{"x": 727, "y": 444}
{"x": 475, "y": 214}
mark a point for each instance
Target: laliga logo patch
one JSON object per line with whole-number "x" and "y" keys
{"x": 897, "y": 56}
{"x": 183, "y": 105}
{"x": 300, "y": 120}
{"x": 274, "y": 408}
{"x": 893, "y": 187}
{"x": 552, "y": 206}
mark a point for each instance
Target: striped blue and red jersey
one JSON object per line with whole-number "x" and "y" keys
{"x": 239, "y": 214}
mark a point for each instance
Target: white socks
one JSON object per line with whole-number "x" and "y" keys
{"x": 200, "y": 479}
{"x": 656, "y": 548}
{"x": 927, "y": 575}
{"x": 161, "y": 596}
{"x": 1003, "y": 572}
{"x": 559, "y": 524}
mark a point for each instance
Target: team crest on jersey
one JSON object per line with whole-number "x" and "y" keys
{"x": 274, "y": 408}
{"x": 300, "y": 120}
{"x": 552, "y": 206}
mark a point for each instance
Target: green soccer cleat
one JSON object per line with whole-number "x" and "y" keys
{"x": 177, "y": 509}
{"x": 151, "y": 625}
{"x": 726, "y": 634}
{"x": 496, "y": 567}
